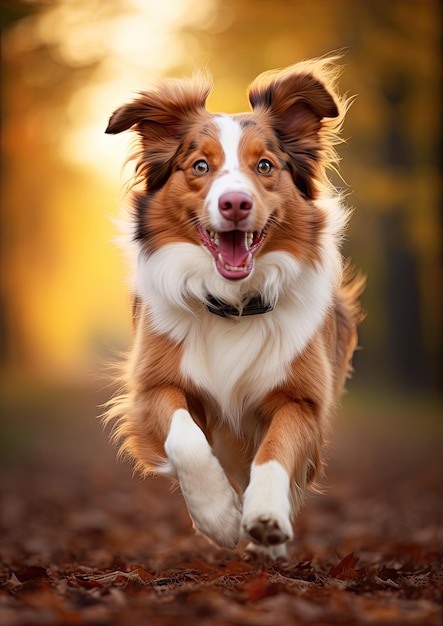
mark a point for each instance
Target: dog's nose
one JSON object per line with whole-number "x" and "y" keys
{"x": 235, "y": 205}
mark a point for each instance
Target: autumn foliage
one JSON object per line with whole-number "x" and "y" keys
{"x": 82, "y": 541}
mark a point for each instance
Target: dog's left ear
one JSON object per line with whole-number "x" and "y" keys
{"x": 295, "y": 97}
{"x": 304, "y": 114}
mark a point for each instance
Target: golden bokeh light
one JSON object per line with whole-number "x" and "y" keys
{"x": 68, "y": 64}
{"x": 75, "y": 303}
{"x": 133, "y": 45}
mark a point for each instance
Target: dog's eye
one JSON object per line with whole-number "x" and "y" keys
{"x": 200, "y": 167}
{"x": 264, "y": 167}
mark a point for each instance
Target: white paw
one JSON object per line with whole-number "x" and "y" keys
{"x": 266, "y": 517}
{"x": 212, "y": 503}
{"x": 266, "y": 529}
{"x": 270, "y": 553}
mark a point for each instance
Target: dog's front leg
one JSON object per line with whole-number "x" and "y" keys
{"x": 212, "y": 502}
{"x": 286, "y": 457}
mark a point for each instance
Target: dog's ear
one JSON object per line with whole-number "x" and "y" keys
{"x": 169, "y": 104}
{"x": 295, "y": 96}
{"x": 161, "y": 117}
{"x": 302, "y": 109}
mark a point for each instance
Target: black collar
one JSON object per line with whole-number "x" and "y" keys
{"x": 254, "y": 306}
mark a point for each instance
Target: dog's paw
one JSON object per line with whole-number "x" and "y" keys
{"x": 266, "y": 517}
{"x": 221, "y": 523}
{"x": 214, "y": 506}
{"x": 267, "y": 553}
{"x": 266, "y": 529}
{"x": 212, "y": 503}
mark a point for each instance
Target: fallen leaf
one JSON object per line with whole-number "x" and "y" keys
{"x": 31, "y": 573}
{"x": 342, "y": 569}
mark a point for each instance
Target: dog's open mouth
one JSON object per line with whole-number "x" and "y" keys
{"x": 233, "y": 251}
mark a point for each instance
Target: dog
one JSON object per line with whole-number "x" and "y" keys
{"x": 245, "y": 313}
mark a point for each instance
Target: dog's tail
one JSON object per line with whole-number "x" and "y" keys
{"x": 349, "y": 315}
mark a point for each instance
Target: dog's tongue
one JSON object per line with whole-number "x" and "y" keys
{"x": 232, "y": 247}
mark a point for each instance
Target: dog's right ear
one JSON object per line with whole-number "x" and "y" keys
{"x": 161, "y": 117}
{"x": 126, "y": 116}
{"x": 170, "y": 104}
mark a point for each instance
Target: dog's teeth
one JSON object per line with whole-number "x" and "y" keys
{"x": 243, "y": 268}
{"x": 250, "y": 239}
{"x": 213, "y": 236}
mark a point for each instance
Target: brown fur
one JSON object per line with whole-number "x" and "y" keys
{"x": 296, "y": 120}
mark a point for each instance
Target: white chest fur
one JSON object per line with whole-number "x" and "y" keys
{"x": 235, "y": 361}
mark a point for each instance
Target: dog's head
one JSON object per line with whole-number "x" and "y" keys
{"x": 237, "y": 185}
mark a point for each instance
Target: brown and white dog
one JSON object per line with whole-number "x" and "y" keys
{"x": 244, "y": 323}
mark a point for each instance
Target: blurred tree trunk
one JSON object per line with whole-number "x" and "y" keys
{"x": 401, "y": 290}
{"x": 404, "y": 356}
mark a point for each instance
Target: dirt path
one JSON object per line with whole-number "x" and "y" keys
{"x": 83, "y": 542}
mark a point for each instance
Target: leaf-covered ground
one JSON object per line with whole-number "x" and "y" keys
{"x": 82, "y": 541}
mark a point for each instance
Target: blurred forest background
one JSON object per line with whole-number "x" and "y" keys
{"x": 66, "y": 507}
{"x": 66, "y": 64}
